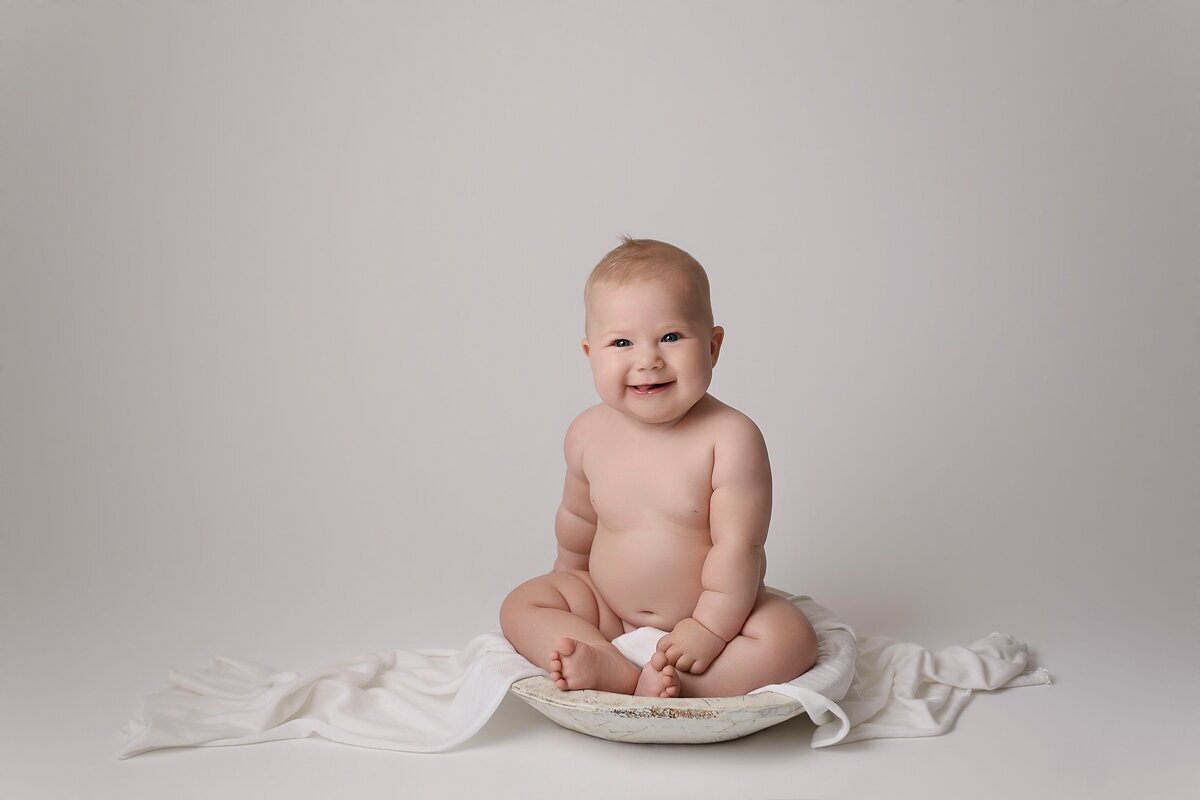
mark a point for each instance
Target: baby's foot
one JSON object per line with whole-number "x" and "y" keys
{"x": 577, "y": 665}
{"x": 658, "y": 679}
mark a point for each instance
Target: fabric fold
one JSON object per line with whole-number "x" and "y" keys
{"x": 904, "y": 690}
{"x": 432, "y": 700}
{"x": 411, "y": 700}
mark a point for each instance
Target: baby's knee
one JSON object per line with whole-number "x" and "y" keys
{"x": 802, "y": 639}
{"x": 507, "y": 609}
{"x": 789, "y": 634}
{"x": 529, "y": 594}
{"x": 807, "y": 647}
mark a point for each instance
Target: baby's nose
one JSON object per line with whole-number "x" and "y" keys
{"x": 651, "y": 361}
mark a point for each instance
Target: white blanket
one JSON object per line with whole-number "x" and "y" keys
{"x": 430, "y": 700}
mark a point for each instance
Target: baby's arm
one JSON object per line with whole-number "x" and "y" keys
{"x": 575, "y": 523}
{"x": 739, "y": 514}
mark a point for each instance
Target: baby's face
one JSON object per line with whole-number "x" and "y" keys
{"x": 651, "y": 353}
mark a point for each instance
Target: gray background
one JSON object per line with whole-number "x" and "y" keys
{"x": 290, "y": 309}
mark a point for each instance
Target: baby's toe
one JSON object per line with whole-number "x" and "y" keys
{"x": 672, "y": 677}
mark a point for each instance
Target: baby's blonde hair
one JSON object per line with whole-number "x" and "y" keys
{"x": 649, "y": 259}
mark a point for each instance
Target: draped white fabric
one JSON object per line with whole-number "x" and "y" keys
{"x": 431, "y": 700}
{"x": 414, "y": 700}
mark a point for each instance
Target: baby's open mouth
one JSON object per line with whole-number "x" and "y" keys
{"x": 650, "y": 388}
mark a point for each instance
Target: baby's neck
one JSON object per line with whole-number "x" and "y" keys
{"x": 643, "y": 428}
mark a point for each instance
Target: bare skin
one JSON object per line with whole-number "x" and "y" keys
{"x": 664, "y": 515}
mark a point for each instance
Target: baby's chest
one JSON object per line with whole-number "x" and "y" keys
{"x": 635, "y": 487}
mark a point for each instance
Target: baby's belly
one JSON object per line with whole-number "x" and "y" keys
{"x": 649, "y": 577}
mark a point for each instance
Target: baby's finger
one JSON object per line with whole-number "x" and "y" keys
{"x": 684, "y": 663}
{"x": 658, "y": 661}
{"x": 663, "y": 644}
{"x": 698, "y": 666}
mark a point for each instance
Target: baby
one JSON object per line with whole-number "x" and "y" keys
{"x": 665, "y": 508}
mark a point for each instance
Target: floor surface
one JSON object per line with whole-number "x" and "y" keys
{"x": 1114, "y": 724}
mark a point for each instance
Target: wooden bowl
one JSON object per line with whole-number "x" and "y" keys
{"x": 689, "y": 720}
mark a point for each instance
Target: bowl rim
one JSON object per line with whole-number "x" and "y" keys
{"x": 541, "y": 689}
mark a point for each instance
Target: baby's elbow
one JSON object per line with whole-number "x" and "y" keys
{"x": 573, "y": 518}
{"x": 740, "y": 547}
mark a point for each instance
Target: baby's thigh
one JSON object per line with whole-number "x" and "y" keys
{"x": 573, "y": 592}
{"x": 607, "y": 621}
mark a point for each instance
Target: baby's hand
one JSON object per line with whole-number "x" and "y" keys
{"x": 691, "y": 647}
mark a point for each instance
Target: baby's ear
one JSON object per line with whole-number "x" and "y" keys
{"x": 718, "y": 336}
{"x": 585, "y": 346}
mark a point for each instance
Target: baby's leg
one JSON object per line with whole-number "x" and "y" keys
{"x": 777, "y": 644}
{"x": 561, "y": 624}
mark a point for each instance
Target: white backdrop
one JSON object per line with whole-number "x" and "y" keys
{"x": 290, "y": 310}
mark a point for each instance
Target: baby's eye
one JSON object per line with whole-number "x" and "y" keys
{"x": 621, "y": 343}
{"x": 671, "y": 337}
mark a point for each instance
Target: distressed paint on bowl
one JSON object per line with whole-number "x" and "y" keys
{"x": 623, "y": 718}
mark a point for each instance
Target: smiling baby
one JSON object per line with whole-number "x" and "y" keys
{"x": 665, "y": 509}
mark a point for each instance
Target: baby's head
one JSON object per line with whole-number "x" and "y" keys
{"x": 650, "y": 260}
{"x": 650, "y": 337}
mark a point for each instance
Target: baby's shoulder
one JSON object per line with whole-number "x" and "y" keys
{"x": 583, "y": 427}
{"x": 739, "y": 450}
{"x": 729, "y": 424}
{"x": 586, "y": 420}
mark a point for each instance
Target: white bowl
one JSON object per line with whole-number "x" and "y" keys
{"x": 688, "y": 720}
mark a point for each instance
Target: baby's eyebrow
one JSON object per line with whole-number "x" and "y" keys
{"x": 666, "y": 326}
